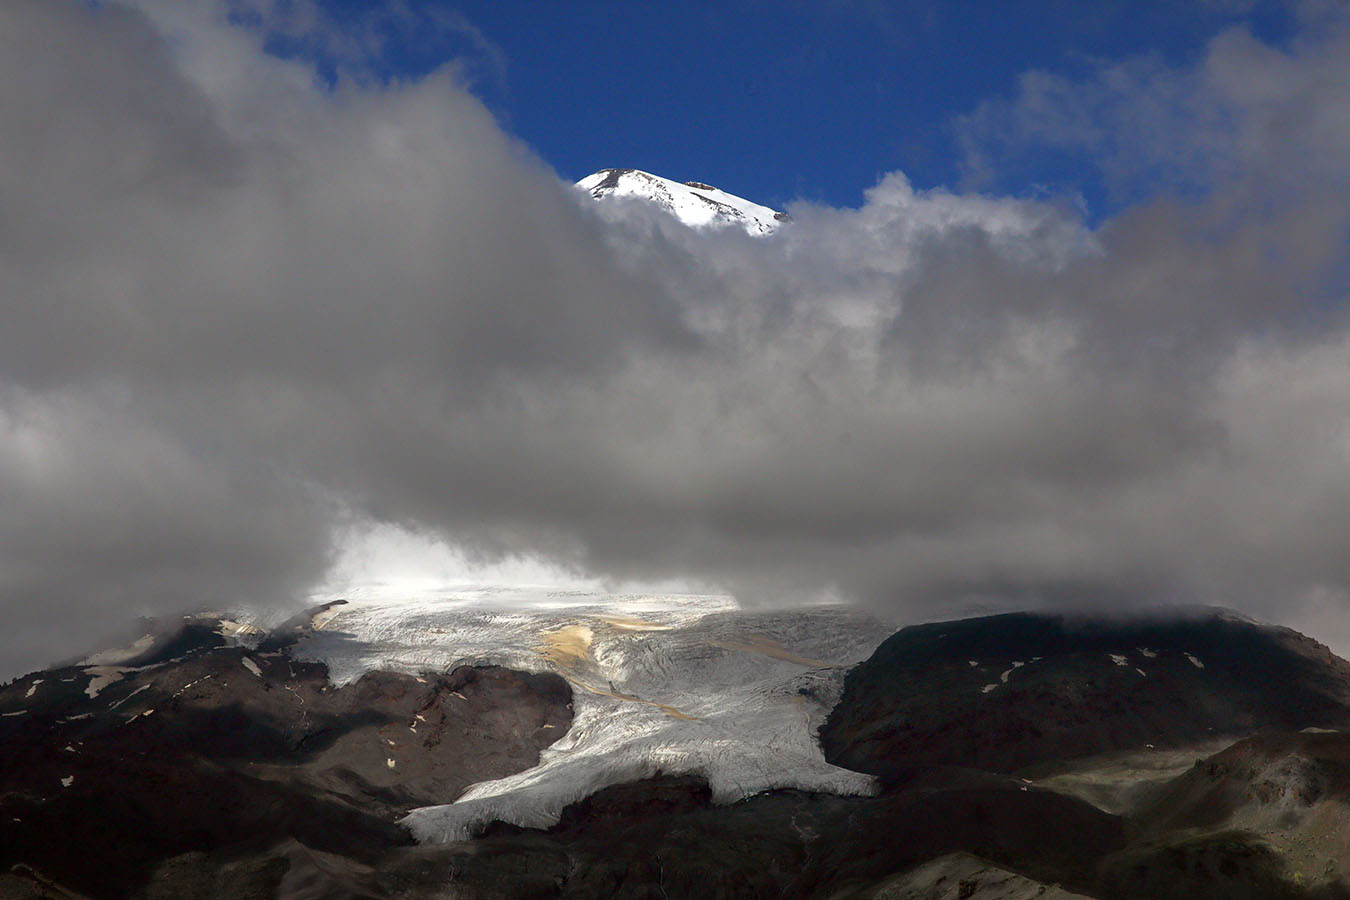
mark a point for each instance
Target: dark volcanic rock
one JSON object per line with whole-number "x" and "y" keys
{"x": 663, "y": 838}
{"x": 210, "y": 772}
{"x": 1005, "y": 692}
{"x": 1230, "y": 866}
{"x": 232, "y": 768}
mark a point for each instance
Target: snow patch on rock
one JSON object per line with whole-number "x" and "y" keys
{"x": 102, "y": 676}
{"x": 129, "y": 696}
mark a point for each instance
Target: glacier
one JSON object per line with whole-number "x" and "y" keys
{"x": 662, "y": 684}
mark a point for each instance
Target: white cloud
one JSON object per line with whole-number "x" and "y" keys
{"x": 237, "y": 306}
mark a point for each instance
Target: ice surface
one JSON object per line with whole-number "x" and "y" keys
{"x": 672, "y": 684}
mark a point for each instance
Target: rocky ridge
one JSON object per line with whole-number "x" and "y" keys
{"x": 1017, "y": 756}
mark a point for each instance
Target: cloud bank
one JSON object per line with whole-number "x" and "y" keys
{"x": 243, "y": 307}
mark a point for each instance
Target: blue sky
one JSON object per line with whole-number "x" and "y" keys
{"x": 779, "y": 101}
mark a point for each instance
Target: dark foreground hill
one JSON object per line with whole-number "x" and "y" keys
{"x": 210, "y": 770}
{"x": 203, "y": 769}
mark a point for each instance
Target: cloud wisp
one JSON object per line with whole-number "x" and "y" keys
{"x": 241, "y": 306}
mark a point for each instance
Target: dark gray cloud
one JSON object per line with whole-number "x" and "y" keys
{"x": 240, "y": 309}
{"x": 106, "y": 516}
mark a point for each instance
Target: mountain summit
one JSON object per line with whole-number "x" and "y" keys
{"x": 695, "y": 204}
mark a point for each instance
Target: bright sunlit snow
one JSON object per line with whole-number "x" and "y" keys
{"x": 674, "y": 684}
{"x": 693, "y": 203}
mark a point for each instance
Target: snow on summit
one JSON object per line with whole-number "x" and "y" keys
{"x": 695, "y": 204}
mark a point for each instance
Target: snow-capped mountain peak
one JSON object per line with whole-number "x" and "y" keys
{"x": 695, "y": 204}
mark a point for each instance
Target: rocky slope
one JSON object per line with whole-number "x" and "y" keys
{"x": 663, "y": 747}
{"x": 199, "y": 758}
{"x": 666, "y": 838}
{"x": 1290, "y": 789}
{"x": 961, "y": 876}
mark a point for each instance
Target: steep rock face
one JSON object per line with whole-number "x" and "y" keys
{"x": 694, "y": 203}
{"x": 173, "y": 770}
{"x": 1005, "y": 692}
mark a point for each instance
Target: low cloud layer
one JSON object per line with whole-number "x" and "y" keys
{"x": 242, "y": 308}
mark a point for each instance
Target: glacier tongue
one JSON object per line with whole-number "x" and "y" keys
{"x": 661, "y": 684}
